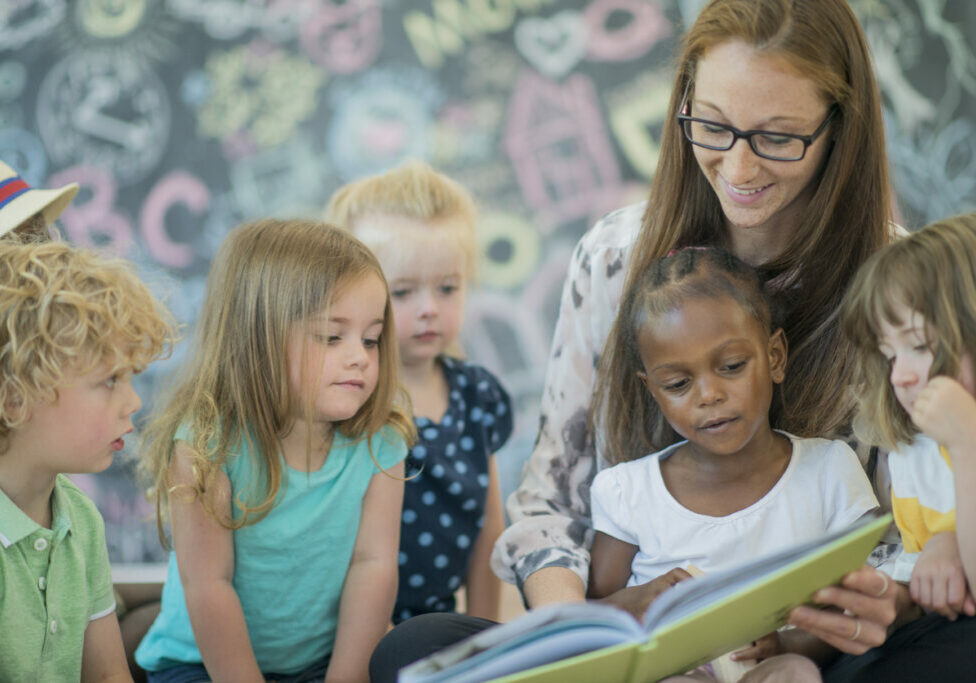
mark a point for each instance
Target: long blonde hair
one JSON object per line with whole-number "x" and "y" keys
{"x": 234, "y": 389}
{"x": 848, "y": 217}
{"x": 933, "y": 273}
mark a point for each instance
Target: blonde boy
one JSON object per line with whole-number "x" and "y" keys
{"x": 74, "y": 328}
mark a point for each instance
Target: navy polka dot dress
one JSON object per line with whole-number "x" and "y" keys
{"x": 444, "y": 505}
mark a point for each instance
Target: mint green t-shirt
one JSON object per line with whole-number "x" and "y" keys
{"x": 53, "y": 582}
{"x": 290, "y": 566}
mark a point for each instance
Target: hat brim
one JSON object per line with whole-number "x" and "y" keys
{"x": 49, "y": 203}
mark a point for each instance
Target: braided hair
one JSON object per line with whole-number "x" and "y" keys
{"x": 627, "y": 420}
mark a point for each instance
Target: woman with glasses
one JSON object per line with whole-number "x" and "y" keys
{"x": 775, "y": 152}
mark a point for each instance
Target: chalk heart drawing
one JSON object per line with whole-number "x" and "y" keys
{"x": 554, "y": 46}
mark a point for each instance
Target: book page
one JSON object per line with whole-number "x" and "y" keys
{"x": 541, "y": 636}
{"x": 692, "y": 595}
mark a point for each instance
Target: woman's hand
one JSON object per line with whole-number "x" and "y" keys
{"x": 636, "y": 599}
{"x": 867, "y": 603}
{"x": 938, "y": 580}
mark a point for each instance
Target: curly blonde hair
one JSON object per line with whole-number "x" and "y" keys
{"x": 65, "y": 311}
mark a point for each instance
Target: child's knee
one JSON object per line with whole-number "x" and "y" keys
{"x": 788, "y": 668}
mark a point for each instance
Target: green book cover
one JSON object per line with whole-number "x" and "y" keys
{"x": 694, "y": 622}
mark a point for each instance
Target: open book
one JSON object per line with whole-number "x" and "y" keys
{"x": 691, "y": 623}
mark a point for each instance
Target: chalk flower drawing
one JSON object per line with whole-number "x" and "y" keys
{"x": 260, "y": 91}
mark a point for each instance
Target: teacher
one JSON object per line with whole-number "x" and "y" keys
{"x": 775, "y": 151}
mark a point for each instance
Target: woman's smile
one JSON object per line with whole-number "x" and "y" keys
{"x": 744, "y": 195}
{"x": 762, "y": 200}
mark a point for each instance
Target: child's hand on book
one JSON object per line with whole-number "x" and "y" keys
{"x": 768, "y": 646}
{"x": 636, "y": 599}
{"x": 938, "y": 581}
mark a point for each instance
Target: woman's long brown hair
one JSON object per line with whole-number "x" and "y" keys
{"x": 849, "y": 215}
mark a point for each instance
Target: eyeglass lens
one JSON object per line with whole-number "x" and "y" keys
{"x": 767, "y": 144}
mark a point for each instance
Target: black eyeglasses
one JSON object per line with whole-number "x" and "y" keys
{"x": 768, "y": 145}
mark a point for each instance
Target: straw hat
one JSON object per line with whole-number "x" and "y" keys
{"x": 19, "y": 201}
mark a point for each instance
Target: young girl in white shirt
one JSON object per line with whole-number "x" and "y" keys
{"x": 694, "y": 354}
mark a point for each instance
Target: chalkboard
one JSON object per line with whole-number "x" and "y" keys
{"x": 182, "y": 118}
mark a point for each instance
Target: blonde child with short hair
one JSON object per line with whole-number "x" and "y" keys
{"x": 421, "y": 225}
{"x": 911, "y": 311}
{"x": 76, "y": 327}
{"x": 278, "y": 457}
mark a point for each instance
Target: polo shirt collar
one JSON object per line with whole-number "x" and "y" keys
{"x": 15, "y": 525}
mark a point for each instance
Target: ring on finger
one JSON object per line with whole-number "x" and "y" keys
{"x": 884, "y": 588}
{"x": 857, "y": 629}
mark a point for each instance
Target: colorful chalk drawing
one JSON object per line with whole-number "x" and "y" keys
{"x": 221, "y": 19}
{"x": 510, "y": 250}
{"x": 115, "y": 114}
{"x": 177, "y": 188}
{"x": 381, "y": 120}
{"x": 455, "y": 23}
{"x": 505, "y": 67}
{"x": 259, "y": 94}
{"x": 286, "y": 180}
{"x": 646, "y": 26}
{"x": 111, "y": 19}
{"x": 344, "y": 37}
{"x": 95, "y": 222}
{"x": 466, "y": 131}
{"x": 642, "y": 109}
{"x": 935, "y": 173}
{"x": 23, "y": 21}
{"x": 931, "y": 148}
{"x": 124, "y": 27}
{"x": 892, "y": 45}
{"x": 23, "y": 151}
{"x": 555, "y": 45}
{"x": 557, "y": 141}
{"x": 183, "y": 118}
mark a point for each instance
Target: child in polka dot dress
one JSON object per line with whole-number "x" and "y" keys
{"x": 421, "y": 225}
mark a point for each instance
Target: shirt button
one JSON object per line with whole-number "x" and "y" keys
{"x": 40, "y": 544}
{"x": 42, "y": 582}
{"x": 54, "y": 626}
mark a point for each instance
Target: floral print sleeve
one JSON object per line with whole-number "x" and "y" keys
{"x": 550, "y": 511}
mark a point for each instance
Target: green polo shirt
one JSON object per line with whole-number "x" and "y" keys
{"x": 54, "y": 581}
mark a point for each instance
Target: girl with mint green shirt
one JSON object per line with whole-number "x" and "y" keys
{"x": 278, "y": 461}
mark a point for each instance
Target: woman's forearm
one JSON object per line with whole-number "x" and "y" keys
{"x": 551, "y": 585}
{"x": 549, "y": 512}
